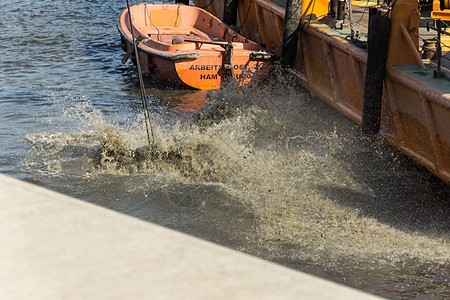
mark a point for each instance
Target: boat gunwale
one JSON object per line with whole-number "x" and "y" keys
{"x": 170, "y": 55}
{"x": 160, "y": 54}
{"x": 433, "y": 94}
{"x": 426, "y": 90}
{"x": 335, "y": 40}
{"x": 242, "y": 40}
{"x": 271, "y": 7}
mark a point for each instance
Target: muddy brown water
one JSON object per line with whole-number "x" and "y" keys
{"x": 269, "y": 171}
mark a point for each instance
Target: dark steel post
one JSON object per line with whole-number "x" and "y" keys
{"x": 290, "y": 34}
{"x": 333, "y": 11}
{"x": 340, "y": 10}
{"x": 375, "y": 71}
{"x": 373, "y": 11}
{"x": 230, "y": 12}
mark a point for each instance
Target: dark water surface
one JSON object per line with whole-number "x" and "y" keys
{"x": 269, "y": 171}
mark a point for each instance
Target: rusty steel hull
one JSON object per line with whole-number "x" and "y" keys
{"x": 415, "y": 114}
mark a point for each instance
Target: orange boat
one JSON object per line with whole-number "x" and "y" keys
{"x": 188, "y": 45}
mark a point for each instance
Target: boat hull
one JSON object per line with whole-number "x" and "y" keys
{"x": 199, "y": 61}
{"x": 207, "y": 72}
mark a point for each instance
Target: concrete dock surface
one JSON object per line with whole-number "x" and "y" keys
{"x": 57, "y": 247}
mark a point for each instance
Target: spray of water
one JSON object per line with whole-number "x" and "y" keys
{"x": 316, "y": 192}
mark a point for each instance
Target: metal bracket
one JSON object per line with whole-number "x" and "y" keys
{"x": 140, "y": 39}
{"x": 227, "y": 62}
{"x": 261, "y": 56}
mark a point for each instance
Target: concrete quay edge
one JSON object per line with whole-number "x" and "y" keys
{"x": 53, "y": 246}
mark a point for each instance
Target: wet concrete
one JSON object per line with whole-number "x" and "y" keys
{"x": 57, "y": 247}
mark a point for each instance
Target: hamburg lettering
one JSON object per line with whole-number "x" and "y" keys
{"x": 214, "y": 76}
{"x": 213, "y": 67}
{"x": 242, "y": 76}
{"x": 205, "y": 67}
{"x": 208, "y": 76}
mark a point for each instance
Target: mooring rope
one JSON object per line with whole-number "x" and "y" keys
{"x": 350, "y": 17}
{"x": 362, "y": 15}
{"x": 424, "y": 39}
{"x": 245, "y": 18}
{"x": 148, "y": 122}
{"x": 207, "y": 5}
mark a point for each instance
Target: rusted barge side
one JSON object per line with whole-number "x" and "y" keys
{"x": 415, "y": 112}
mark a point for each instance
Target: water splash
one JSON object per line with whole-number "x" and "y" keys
{"x": 314, "y": 193}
